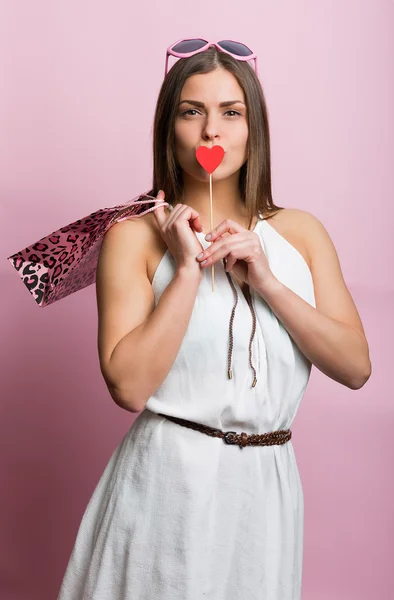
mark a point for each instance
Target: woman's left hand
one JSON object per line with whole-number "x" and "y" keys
{"x": 243, "y": 252}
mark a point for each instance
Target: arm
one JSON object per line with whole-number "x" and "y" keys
{"x": 331, "y": 336}
{"x": 138, "y": 343}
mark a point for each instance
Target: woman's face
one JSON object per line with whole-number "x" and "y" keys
{"x": 211, "y": 124}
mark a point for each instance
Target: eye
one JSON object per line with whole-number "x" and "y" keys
{"x": 236, "y": 113}
{"x": 188, "y": 111}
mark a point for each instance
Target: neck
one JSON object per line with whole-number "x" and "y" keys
{"x": 226, "y": 200}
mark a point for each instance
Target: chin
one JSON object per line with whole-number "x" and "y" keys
{"x": 222, "y": 172}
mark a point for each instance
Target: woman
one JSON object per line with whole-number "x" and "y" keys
{"x": 202, "y": 498}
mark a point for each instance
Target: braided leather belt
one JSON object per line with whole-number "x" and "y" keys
{"x": 232, "y": 437}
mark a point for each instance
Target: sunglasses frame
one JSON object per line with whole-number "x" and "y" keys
{"x": 171, "y": 52}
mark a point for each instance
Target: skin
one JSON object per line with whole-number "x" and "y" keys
{"x": 330, "y": 336}
{"x": 200, "y": 121}
{"x": 212, "y": 125}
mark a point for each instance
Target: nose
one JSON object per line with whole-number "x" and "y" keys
{"x": 210, "y": 129}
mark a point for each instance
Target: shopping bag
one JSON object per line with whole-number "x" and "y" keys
{"x": 65, "y": 261}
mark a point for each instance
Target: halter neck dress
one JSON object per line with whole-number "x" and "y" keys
{"x": 180, "y": 515}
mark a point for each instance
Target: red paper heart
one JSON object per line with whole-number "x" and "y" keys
{"x": 210, "y": 158}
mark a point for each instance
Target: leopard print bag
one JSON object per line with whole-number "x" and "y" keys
{"x": 65, "y": 261}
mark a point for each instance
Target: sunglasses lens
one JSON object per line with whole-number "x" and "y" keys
{"x": 189, "y": 45}
{"x": 235, "y": 47}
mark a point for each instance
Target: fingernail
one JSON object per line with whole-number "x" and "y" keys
{"x": 199, "y": 255}
{"x": 208, "y": 236}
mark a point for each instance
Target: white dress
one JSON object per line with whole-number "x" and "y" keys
{"x": 180, "y": 515}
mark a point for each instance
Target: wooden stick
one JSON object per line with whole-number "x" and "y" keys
{"x": 211, "y": 215}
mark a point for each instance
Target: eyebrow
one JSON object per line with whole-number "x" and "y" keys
{"x": 202, "y": 105}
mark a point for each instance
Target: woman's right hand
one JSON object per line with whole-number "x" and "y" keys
{"x": 177, "y": 230}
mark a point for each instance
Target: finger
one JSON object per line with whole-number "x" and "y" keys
{"x": 222, "y": 249}
{"x": 185, "y": 212}
{"x": 196, "y": 223}
{"x": 226, "y": 226}
{"x": 159, "y": 212}
{"x": 178, "y": 209}
{"x": 229, "y": 263}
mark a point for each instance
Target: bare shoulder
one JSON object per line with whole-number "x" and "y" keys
{"x": 136, "y": 234}
{"x": 292, "y": 220}
{"x": 141, "y": 240}
{"x": 300, "y": 218}
{"x": 134, "y": 226}
{"x": 310, "y": 231}
{"x": 123, "y": 246}
{"x": 305, "y": 231}
{"x": 290, "y": 224}
{"x": 122, "y": 260}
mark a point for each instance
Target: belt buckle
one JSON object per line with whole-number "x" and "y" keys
{"x": 229, "y": 437}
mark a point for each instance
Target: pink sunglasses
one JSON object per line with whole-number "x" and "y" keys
{"x": 187, "y": 47}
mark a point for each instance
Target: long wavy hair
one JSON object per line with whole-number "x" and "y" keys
{"x": 255, "y": 174}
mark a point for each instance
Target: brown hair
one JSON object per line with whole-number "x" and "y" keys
{"x": 255, "y": 174}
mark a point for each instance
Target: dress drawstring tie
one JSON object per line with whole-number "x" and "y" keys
{"x": 250, "y": 304}
{"x": 230, "y": 351}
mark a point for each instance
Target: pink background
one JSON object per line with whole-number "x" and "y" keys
{"x": 76, "y": 114}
